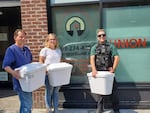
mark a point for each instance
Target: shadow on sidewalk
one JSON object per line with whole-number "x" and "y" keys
{"x": 8, "y": 111}
{"x": 2, "y": 111}
{"x": 7, "y": 93}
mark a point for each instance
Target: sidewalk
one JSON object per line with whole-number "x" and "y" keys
{"x": 93, "y": 111}
{"x": 9, "y": 103}
{"x": 75, "y": 111}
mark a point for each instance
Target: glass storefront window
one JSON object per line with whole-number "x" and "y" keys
{"x": 129, "y": 26}
{"x": 76, "y": 27}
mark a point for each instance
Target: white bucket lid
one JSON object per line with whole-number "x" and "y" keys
{"x": 60, "y": 65}
{"x": 102, "y": 74}
{"x": 31, "y": 67}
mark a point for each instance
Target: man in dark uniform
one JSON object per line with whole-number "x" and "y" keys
{"x": 104, "y": 57}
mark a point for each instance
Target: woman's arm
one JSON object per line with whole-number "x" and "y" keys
{"x": 41, "y": 59}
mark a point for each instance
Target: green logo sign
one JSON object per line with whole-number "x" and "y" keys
{"x": 80, "y": 25}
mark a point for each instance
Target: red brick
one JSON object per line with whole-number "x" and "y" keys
{"x": 34, "y": 22}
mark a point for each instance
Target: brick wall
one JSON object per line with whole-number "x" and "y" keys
{"x": 38, "y": 98}
{"x": 34, "y": 22}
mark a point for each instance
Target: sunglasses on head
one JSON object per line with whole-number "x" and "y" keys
{"x": 52, "y": 39}
{"x": 101, "y": 35}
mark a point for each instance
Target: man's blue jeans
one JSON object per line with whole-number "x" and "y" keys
{"x": 51, "y": 95}
{"x": 25, "y": 101}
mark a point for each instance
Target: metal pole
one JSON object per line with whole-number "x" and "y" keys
{"x": 49, "y": 16}
{"x": 101, "y": 13}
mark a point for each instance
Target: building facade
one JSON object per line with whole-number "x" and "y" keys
{"x": 75, "y": 22}
{"x": 10, "y": 19}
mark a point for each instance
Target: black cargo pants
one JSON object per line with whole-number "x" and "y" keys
{"x": 114, "y": 99}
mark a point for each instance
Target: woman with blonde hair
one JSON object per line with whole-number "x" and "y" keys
{"x": 51, "y": 53}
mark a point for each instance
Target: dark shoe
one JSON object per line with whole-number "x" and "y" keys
{"x": 99, "y": 111}
{"x": 117, "y": 111}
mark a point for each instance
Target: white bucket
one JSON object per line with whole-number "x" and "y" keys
{"x": 33, "y": 76}
{"x": 101, "y": 84}
{"x": 59, "y": 73}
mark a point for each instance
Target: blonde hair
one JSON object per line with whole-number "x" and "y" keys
{"x": 98, "y": 30}
{"x": 48, "y": 38}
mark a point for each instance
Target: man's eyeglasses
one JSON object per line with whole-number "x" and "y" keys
{"x": 101, "y": 35}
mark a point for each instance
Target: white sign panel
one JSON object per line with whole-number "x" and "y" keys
{"x": 3, "y": 76}
{"x": 70, "y": 1}
{"x": 3, "y": 37}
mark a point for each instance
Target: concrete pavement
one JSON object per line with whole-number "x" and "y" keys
{"x": 15, "y": 110}
{"x": 9, "y": 103}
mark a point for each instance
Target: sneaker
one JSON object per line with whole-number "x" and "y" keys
{"x": 55, "y": 111}
{"x": 48, "y": 110}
